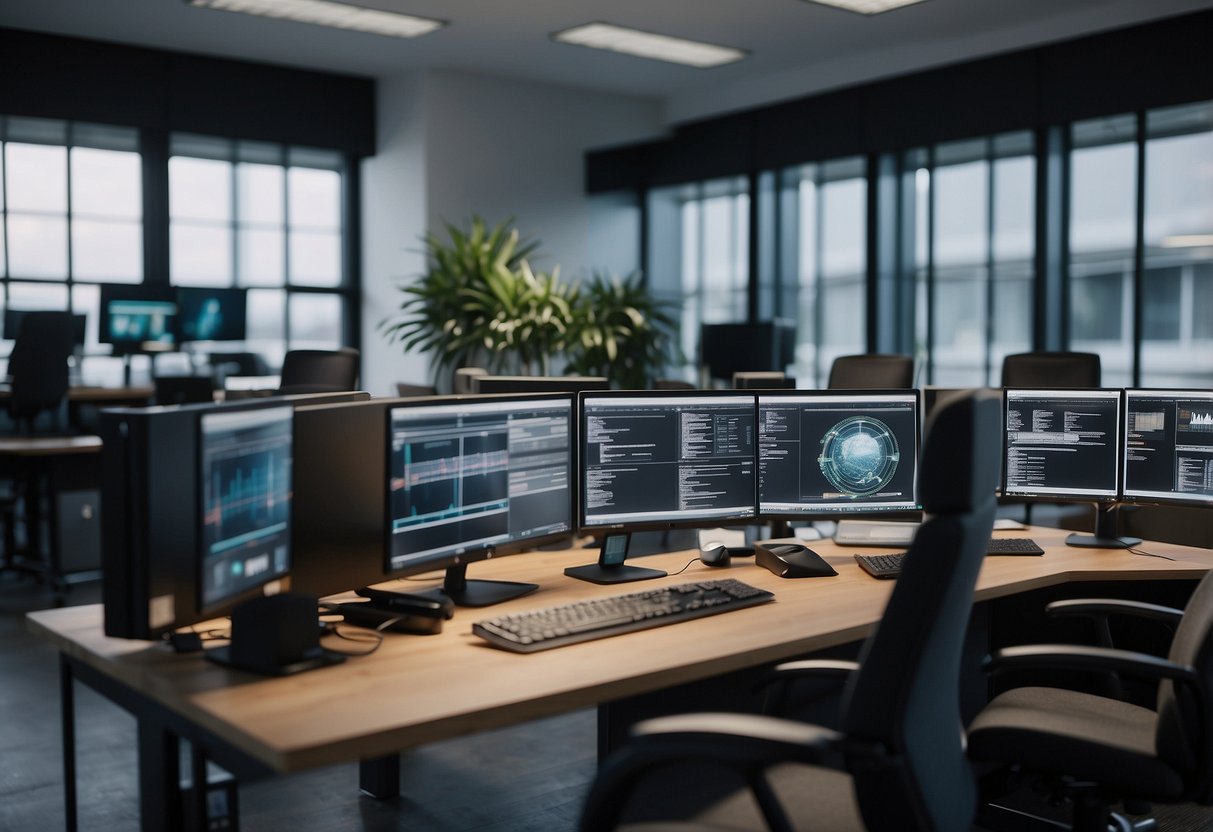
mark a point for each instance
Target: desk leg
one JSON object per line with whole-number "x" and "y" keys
{"x": 379, "y": 777}
{"x": 67, "y": 706}
{"x": 159, "y": 777}
{"x": 199, "y": 788}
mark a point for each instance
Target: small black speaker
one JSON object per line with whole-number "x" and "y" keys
{"x": 275, "y": 636}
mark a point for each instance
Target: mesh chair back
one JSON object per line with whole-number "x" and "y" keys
{"x": 38, "y": 363}
{"x": 1185, "y": 720}
{"x": 903, "y": 704}
{"x": 319, "y": 371}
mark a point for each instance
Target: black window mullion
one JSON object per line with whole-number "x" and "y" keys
{"x": 930, "y": 219}
{"x": 1139, "y": 250}
{"x": 752, "y": 236}
{"x": 818, "y": 273}
{"x": 68, "y": 218}
{"x": 154, "y": 159}
{"x": 351, "y": 188}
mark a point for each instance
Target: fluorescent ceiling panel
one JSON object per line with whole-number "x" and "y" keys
{"x": 867, "y": 6}
{"x": 649, "y": 45}
{"x": 329, "y": 13}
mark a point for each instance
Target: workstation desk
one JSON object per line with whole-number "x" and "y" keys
{"x": 419, "y": 689}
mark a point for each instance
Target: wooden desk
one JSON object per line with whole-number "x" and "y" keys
{"x": 417, "y": 689}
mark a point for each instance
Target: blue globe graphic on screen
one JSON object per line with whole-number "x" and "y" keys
{"x": 859, "y": 456}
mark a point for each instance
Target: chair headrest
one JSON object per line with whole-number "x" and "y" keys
{"x": 965, "y": 426}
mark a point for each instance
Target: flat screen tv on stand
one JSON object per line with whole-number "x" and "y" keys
{"x": 665, "y": 460}
{"x": 1064, "y": 446}
{"x": 474, "y": 478}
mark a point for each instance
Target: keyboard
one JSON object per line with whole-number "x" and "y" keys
{"x": 1013, "y": 546}
{"x": 875, "y": 533}
{"x": 881, "y": 566}
{"x": 528, "y": 632}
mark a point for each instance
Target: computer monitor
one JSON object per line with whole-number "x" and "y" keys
{"x": 138, "y": 318}
{"x": 743, "y": 347}
{"x": 245, "y": 487}
{"x": 1168, "y": 448}
{"x": 537, "y": 384}
{"x": 666, "y": 459}
{"x": 829, "y": 452}
{"x": 211, "y": 314}
{"x": 473, "y": 478}
{"x": 1064, "y": 446}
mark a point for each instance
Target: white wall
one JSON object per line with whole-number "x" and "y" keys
{"x": 453, "y": 145}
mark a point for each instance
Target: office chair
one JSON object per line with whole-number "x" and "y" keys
{"x": 672, "y": 384}
{"x": 183, "y": 389}
{"x": 319, "y": 371}
{"x": 901, "y": 738}
{"x": 224, "y": 364}
{"x": 1051, "y": 369}
{"x": 38, "y": 367}
{"x": 1098, "y": 749}
{"x": 871, "y": 371}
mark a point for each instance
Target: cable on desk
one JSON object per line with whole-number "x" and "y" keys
{"x": 1150, "y": 554}
{"x": 358, "y": 635}
{"x": 685, "y": 568}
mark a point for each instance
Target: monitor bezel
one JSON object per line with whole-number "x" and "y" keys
{"x": 1155, "y": 498}
{"x": 483, "y": 552}
{"x": 1087, "y": 497}
{"x": 666, "y": 524}
{"x": 226, "y": 604}
{"x": 911, "y": 509}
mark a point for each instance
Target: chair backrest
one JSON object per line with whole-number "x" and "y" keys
{"x": 38, "y": 362}
{"x": 406, "y": 390}
{"x": 1185, "y": 721}
{"x": 1051, "y": 369}
{"x": 904, "y": 702}
{"x": 184, "y": 389}
{"x": 319, "y": 371}
{"x": 225, "y": 364}
{"x": 672, "y": 384}
{"x": 871, "y": 371}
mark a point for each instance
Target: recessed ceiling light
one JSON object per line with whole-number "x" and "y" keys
{"x": 330, "y": 13}
{"x": 649, "y": 45}
{"x": 867, "y": 6}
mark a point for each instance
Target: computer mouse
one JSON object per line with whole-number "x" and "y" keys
{"x": 791, "y": 560}
{"x": 714, "y": 554}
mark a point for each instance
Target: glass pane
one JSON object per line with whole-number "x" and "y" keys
{"x": 1160, "y": 318}
{"x": 266, "y": 326}
{"x": 86, "y": 300}
{"x": 261, "y": 257}
{"x": 199, "y": 189}
{"x": 37, "y": 177}
{"x": 200, "y": 255}
{"x": 1102, "y": 228}
{"x": 315, "y": 321}
{"x": 718, "y": 244}
{"x": 1202, "y": 311}
{"x": 315, "y": 258}
{"x": 37, "y": 246}
{"x": 109, "y": 251}
{"x": 106, "y": 183}
{"x": 314, "y": 198}
{"x": 960, "y": 214}
{"x": 960, "y": 333}
{"x": 961, "y": 241}
{"x": 260, "y": 194}
{"x": 37, "y": 296}
{"x": 844, "y": 225}
{"x": 1014, "y": 209}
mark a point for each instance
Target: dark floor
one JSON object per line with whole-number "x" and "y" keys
{"x": 532, "y": 777}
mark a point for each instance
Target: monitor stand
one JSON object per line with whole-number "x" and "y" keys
{"x": 465, "y": 593}
{"x": 1105, "y": 536}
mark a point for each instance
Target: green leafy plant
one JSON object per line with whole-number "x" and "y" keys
{"x": 619, "y": 330}
{"x": 480, "y": 303}
{"x": 444, "y": 312}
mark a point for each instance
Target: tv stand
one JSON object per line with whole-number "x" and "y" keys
{"x": 465, "y": 593}
{"x": 1105, "y": 536}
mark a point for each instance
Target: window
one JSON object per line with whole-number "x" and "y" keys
{"x": 699, "y": 254}
{"x": 269, "y": 218}
{"x": 71, "y": 196}
{"x": 824, "y": 263}
{"x": 969, "y": 210}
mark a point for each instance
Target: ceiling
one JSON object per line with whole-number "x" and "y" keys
{"x": 795, "y": 47}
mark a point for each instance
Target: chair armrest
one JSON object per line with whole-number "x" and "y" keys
{"x": 1100, "y": 607}
{"x": 784, "y": 674}
{"x": 743, "y": 742}
{"x": 1099, "y": 659}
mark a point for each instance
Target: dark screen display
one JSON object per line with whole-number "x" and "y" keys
{"x": 667, "y": 458}
{"x": 1168, "y": 449}
{"x": 835, "y": 452}
{"x": 211, "y": 314}
{"x": 138, "y": 317}
{"x": 471, "y": 476}
{"x": 1062, "y": 443}
{"x": 246, "y": 488}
